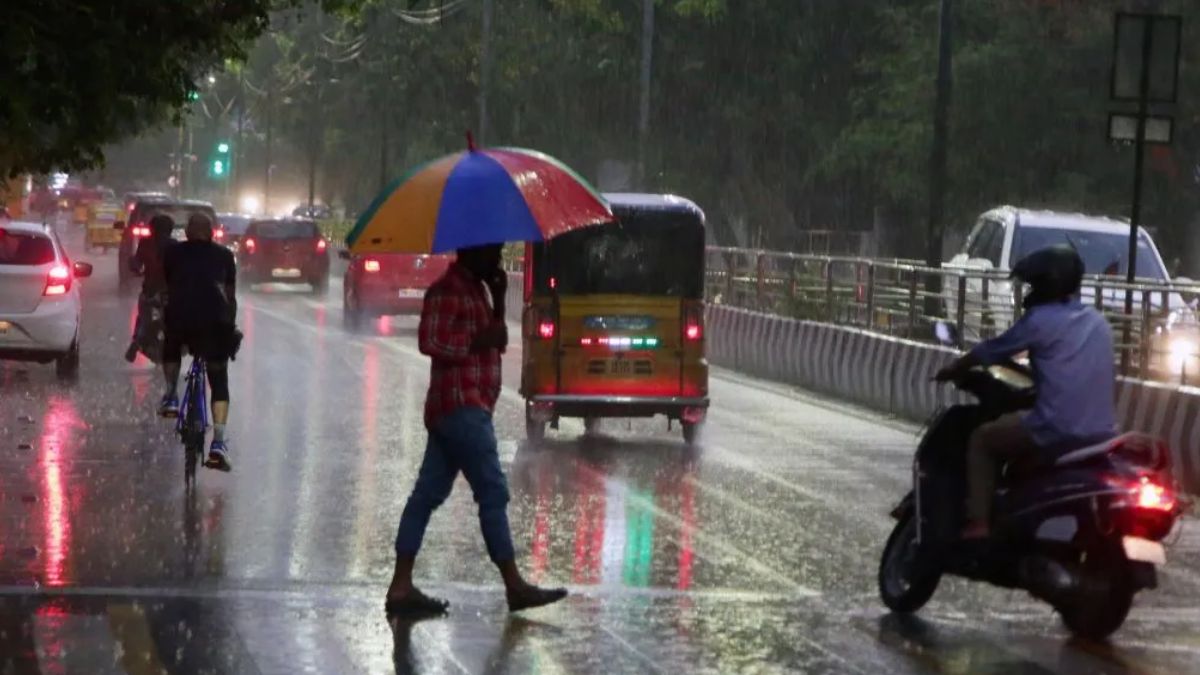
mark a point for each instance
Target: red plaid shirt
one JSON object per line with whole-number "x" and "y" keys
{"x": 456, "y": 308}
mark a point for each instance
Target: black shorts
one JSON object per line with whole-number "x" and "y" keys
{"x": 214, "y": 344}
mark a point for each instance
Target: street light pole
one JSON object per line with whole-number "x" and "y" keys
{"x": 644, "y": 99}
{"x": 485, "y": 67}
{"x": 941, "y": 120}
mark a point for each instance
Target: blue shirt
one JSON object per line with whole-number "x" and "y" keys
{"x": 1071, "y": 349}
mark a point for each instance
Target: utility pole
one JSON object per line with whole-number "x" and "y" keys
{"x": 485, "y": 67}
{"x": 270, "y": 139}
{"x": 235, "y": 174}
{"x": 644, "y": 98}
{"x": 937, "y": 159}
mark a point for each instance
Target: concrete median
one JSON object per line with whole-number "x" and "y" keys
{"x": 895, "y": 376}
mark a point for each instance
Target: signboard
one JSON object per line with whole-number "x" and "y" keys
{"x": 1149, "y": 44}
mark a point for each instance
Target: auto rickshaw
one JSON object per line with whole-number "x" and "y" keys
{"x": 101, "y": 232}
{"x": 613, "y": 319}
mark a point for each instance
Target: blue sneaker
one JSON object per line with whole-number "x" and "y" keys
{"x": 218, "y": 457}
{"x": 169, "y": 406}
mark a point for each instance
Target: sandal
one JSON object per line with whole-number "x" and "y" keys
{"x": 415, "y": 603}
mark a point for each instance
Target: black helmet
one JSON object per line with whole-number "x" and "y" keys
{"x": 1054, "y": 274}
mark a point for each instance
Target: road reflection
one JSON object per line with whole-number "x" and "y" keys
{"x": 55, "y": 452}
{"x": 631, "y": 504}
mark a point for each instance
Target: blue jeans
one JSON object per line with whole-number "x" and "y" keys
{"x": 463, "y": 441}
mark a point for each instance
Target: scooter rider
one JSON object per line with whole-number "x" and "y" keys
{"x": 148, "y": 261}
{"x": 1070, "y": 347}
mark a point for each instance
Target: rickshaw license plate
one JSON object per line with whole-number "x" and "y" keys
{"x": 285, "y": 273}
{"x": 1144, "y": 550}
{"x": 626, "y": 367}
{"x": 410, "y": 293}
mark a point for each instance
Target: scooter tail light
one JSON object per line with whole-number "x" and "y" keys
{"x": 1150, "y": 495}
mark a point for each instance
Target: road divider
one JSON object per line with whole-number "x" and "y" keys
{"x": 895, "y": 376}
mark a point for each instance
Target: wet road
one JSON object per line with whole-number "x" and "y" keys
{"x": 755, "y": 554}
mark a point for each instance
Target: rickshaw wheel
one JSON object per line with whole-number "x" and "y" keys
{"x": 535, "y": 430}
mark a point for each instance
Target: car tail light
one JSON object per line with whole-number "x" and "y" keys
{"x": 1152, "y": 496}
{"x": 58, "y": 280}
{"x": 321, "y": 246}
{"x": 693, "y": 323}
{"x": 249, "y": 244}
{"x": 371, "y": 265}
{"x": 219, "y": 234}
{"x": 141, "y": 231}
{"x": 546, "y": 329}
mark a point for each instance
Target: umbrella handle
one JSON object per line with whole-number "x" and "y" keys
{"x": 470, "y": 141}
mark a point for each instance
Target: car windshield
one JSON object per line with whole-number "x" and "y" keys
{"x": 235, "y": 225}
{"x": 646, "y": 253}
{"x": 25, "y": 248}
{"x": 178, "y": 213}
{"x": 284, "y": 229}
{"x": 1102, "y": 252}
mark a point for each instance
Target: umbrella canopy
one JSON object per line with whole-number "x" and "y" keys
{"x": 489, "y": 196}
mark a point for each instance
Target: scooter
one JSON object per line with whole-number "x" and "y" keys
{"x": 149, "y": 333}
{"x": 1080, "y": 530}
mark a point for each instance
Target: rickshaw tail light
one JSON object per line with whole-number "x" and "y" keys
{"x": 321, "y": 245}
{"x": 692, "y": 331}
{"x": 546, "y": 329}
{"x": 370, "y": 265}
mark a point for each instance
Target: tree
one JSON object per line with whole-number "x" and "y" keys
{"x": 77, "y": 75}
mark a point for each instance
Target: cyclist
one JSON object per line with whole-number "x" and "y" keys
{"x": 148, "y": 261}
{"x": 201, "y": 312}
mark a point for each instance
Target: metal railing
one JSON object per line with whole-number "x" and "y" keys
{"x": 1159, "y": 340}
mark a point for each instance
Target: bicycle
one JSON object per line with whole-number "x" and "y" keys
{"x": 192, "y": 422}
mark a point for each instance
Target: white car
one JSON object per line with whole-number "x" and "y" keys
{"x": 1004, "y": 235}
{"x": 39, "y": 299}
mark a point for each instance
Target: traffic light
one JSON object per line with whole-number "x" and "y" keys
{"x": 218, "y": 167}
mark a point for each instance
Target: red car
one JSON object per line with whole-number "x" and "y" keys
{"x": 388, "y": 283}
{"x": 284, "y": 251}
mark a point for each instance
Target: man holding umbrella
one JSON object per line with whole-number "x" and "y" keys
{"x": 464, "y": 336}
{"x": 469, "y": 202}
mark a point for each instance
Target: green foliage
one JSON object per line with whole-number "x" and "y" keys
{"x": 774, "y": 116}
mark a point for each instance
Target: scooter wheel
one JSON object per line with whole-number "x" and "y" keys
{"x": 1094, "y": 615}
{"x": 906, "y": 579}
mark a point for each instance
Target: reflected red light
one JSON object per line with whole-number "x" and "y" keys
{"x": 687, "y": 513}
{"x": 60, "y": 420}
{"x": 546, "y": 329}
{"x": 553, "y": 282}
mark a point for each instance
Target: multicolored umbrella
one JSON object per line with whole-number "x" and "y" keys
{"x": 488, "y": 196}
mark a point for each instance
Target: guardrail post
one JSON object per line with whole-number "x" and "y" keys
{"x": 870, "y": 294}
{"x": 912, "y": 305}
{"x": 729, "y": 297}
{"x": 1144, "y": 337}
{"x": 960, "y": 314}
{"x": 985, "y": 306}
{"x": 759, "y": 262}
{"x": 1018, "y": 300}
{"x": 829, "y": 304}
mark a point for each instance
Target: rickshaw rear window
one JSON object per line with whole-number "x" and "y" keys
{"x": 645, "y": 253}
